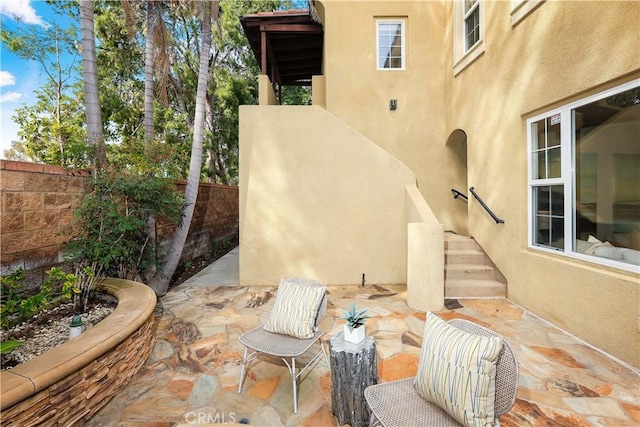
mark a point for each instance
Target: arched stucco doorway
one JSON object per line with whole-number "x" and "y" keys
{"x": 458, "y": 218}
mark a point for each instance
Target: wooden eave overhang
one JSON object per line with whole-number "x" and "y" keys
{"x": 286, "y": 44}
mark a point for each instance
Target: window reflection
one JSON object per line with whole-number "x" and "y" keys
{"x": 607, "y": 174}
{"x": 390, "y": 45}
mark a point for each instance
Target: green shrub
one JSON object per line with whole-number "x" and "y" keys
{"x": 111, "y": 227}
{"x": 16, "y": 304}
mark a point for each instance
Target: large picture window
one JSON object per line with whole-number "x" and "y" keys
{"x": 584, "y": 178}
{"x": 391, "y": 44}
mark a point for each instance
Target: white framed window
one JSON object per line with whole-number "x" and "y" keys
{"x": 520, "y": 9}
{"x": 471, "y": 20}
{"x": 584, "y": 178}
{"x": 468, "y": 28}
{"x": 390, "y": 37}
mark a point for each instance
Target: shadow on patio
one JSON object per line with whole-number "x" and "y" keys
{"x": 192, "y": 375}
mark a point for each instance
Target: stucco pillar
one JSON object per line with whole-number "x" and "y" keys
{"x": 319, "y": 91}
{"x": 266, "y": 95}
{"x": 425, "y": 266}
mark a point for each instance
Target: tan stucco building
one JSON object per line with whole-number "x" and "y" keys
{"x": 534, "y": 104}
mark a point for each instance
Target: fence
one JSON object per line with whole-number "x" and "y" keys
{"x": 37, "y": 203}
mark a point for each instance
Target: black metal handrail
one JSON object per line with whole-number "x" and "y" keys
{"x": 457, "y": 194}
{"x": 484, "y": 205}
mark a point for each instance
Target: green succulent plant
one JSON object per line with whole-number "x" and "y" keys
{"x": 354, "y": 318}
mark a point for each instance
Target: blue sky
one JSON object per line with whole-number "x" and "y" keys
{"x": 18, "y": 77}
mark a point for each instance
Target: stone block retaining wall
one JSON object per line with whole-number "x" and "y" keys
{"x": 37, "y": 203}
{"x": 79, "y": 396}
{"x": 215, "y": 218}
{"x": 70, "y": 383}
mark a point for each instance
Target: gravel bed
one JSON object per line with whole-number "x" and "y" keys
{"x": 47, "y": 330}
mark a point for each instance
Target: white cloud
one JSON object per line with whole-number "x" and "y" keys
{"x": 10, "y": 96}
{"x": 22, "y": 10}
{"x": 7, "y": 79}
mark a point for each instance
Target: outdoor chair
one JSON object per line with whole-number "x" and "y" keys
{"x": 398, "y": 403}
{"x": 291, "y": 330}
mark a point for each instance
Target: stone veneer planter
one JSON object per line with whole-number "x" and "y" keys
{"x": 70, "y": 383}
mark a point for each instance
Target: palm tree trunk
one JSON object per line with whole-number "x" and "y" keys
{"x": 149, "y": 131}
{"x": 148, "y": 72}
{"x": 91, "y": 94}
{"x": 160, "y": 283}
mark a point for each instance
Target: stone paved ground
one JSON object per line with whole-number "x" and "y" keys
{"x": 192, "y": 375}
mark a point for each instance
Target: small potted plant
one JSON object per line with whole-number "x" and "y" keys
{"x": 354, "y": 330}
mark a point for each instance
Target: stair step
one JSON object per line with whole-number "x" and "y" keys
{"x": 464, "y": 256}
{"x": 460, "y": 243}
{"x": 453, "y": 235}
{"x": 461, "y": 288}
{"x": 469, "y": 272}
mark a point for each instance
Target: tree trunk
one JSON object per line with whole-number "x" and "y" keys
{"x": 148, "y": 73}
{"x": 58, "y": 114}
{"x": 91, "y": 93}
{"x": 160, "y": 283}
{"x": 149, "y": 131}
{"x": 182, "y": 105}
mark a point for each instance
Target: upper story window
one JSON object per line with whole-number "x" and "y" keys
{"x": 584, "y": 178}
{"x": 468, "y": 32}
{"x": 391, "y": 44}
{"x": 471, "y": 23}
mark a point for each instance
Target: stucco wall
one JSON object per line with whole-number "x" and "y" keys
{"x": 415, "y": 132}
{"x": 318, "y": 200}
{"x": 425, "y": 254}
{"x": 359, "y": 94}
{"x": 560, "y": 52}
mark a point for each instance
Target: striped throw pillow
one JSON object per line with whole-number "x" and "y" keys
{"x": 457, "y": 372}
{"x": 295, "y": 308}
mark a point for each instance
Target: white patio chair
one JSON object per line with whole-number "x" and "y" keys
{"x": 397, "y": 403}
{"x": 283, "y": 345}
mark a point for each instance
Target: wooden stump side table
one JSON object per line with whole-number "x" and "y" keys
{"x": 354, "y": 367}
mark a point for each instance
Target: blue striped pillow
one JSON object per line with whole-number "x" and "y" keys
{"x": 296, "y": 308}
{"x": 457, "y": 372}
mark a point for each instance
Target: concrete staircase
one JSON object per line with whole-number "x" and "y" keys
{"x": 469, "y": 273}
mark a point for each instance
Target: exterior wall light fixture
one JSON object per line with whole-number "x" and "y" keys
{"x": 393, "y": 104}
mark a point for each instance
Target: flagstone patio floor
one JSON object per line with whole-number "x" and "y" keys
{"x": 191, "y": 378}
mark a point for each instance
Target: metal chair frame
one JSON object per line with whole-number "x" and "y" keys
{"x": 261, "y": 341}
